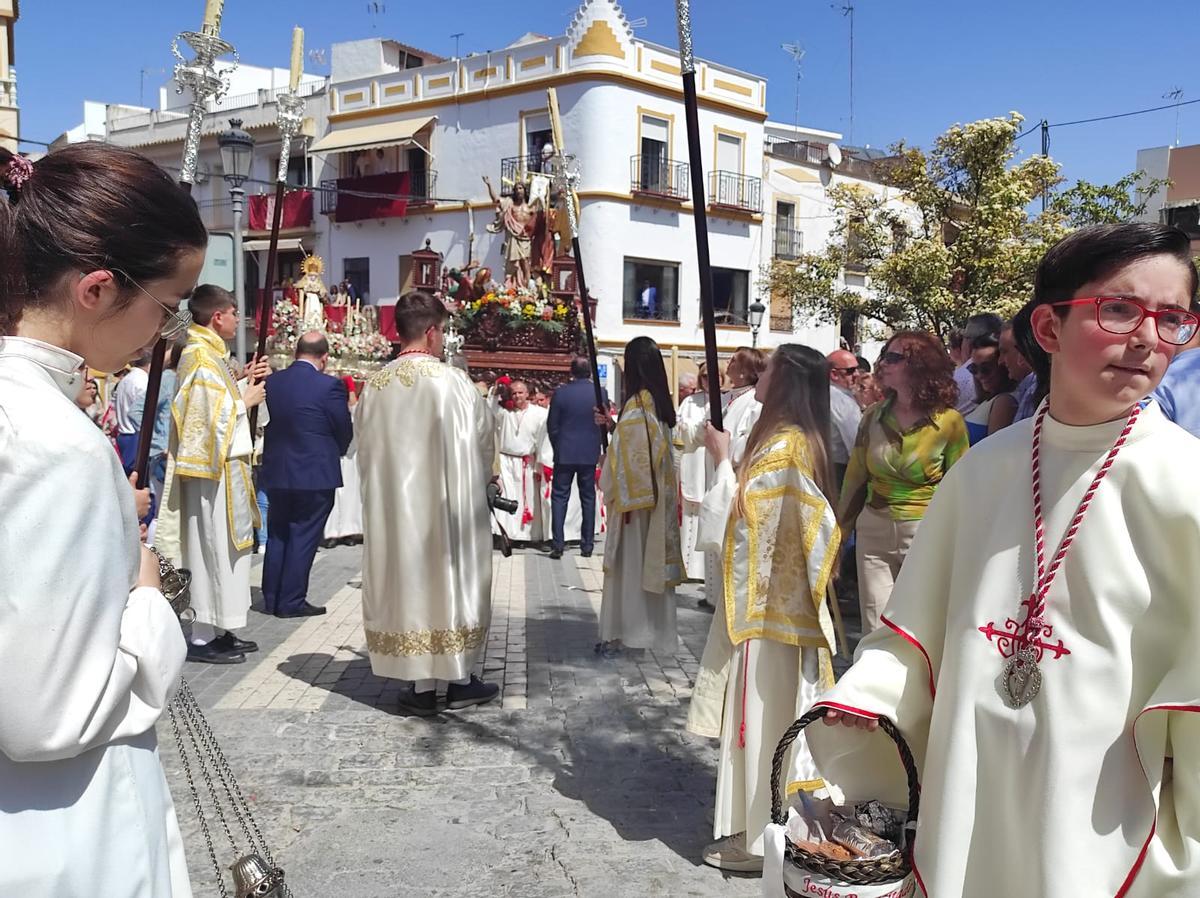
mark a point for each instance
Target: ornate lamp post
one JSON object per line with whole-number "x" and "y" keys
{"x": 756, "y": 311}
{"x": 237, "y": 153}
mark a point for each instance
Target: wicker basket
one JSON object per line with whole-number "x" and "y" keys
{"x": 860, "y": 871}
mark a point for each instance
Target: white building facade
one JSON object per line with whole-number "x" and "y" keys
{"x": 449, "y": 123}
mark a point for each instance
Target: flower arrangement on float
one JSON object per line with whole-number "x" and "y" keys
{"x": 518, "y": 306}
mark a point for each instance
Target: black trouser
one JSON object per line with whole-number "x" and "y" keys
{"x": 295, "y": 525}
{"x": 560, "y": 494}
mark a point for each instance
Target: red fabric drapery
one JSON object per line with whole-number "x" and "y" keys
{"x": 357, "y": 208}
{"x": 297, "y": 210}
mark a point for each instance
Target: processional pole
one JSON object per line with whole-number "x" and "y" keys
{"x": 290, "y": 111}
{"x": 567, "y": 179}
{"x": 199, "y": 76}
{"x": 254, "y": 871}
{"x": 687, "y": 66}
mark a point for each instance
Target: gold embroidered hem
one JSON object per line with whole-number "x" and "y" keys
{"x": 426, "y": 642}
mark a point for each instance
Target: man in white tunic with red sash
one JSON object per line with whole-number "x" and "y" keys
{"x": 520, "y": 433}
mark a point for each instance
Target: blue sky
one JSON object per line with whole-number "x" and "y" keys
{"x": 920, "y": 65}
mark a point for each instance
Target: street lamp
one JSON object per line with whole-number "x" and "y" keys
{"x": 757, "y": 310}
{"x": 237, "y": 151}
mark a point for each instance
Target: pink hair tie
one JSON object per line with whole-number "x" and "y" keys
{"x": 18, "y": 172}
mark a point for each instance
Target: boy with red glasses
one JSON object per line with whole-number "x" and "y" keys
{"x": 1040, "y": 649}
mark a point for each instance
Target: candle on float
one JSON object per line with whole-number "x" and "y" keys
{"x": 212, "y": 16}
{"x": 297, "y": 57}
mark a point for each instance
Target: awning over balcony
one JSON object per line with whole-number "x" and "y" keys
{"x": 369, "y": 137}
{"x": 286, "y": 245}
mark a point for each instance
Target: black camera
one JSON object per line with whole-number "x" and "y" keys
{"x": 499, "y": 503}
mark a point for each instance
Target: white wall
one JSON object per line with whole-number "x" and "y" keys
{"x": 1154, "y": 162}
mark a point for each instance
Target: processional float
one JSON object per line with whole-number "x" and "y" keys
{"x": 213, "y": 789}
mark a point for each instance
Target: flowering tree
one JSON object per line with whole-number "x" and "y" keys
{"x": 971, "y": 244}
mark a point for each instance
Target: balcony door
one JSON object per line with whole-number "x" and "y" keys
{"x": 787, "y": 239}
{"x": 729, "y": 170}
{"x": 537, "y": 135}
{"x": 655, "y": 152}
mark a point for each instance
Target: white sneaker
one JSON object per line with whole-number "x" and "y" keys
{"x": 730, "y": 854}
{"x": 261, "y": 550}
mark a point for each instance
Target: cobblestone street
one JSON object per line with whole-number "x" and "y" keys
{"x": 580, "y": 781}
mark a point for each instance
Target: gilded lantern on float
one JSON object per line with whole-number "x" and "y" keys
{"x": 427, "y": 268}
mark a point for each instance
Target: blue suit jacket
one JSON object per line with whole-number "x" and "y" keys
{"x": 309, "y": 431}
{"x": 574, "y": 435}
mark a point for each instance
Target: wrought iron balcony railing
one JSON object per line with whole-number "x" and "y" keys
{"x": 789, "y": 243}
{"x": 659, "y": 176}
{"x": 519, "y": 168}
{"x": 734, "y": 191}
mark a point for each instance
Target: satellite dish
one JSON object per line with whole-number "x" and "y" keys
{"x": 834, "y": 154}
{"x": 825, "y": 173}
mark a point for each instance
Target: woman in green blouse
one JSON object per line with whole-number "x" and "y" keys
{"x": 905, "y": 446}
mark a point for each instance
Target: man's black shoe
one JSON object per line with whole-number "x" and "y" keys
{"x": 305, "y": 610}
{"x": 585, "y": 553}
{"x": 328, "y": 544}
{"x": 229, "y": 642}
{"x": 556, "y": 553}
{"x": 212, "y": 654}
{"x": 421, "y": 704}
{"x": 476, "y": 692}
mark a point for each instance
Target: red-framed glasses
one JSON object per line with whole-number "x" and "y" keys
{"x": 1122, "y": 315}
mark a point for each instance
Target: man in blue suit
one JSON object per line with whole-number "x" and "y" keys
{"x": 308, "y": 433}
{"x": 575, "y": 439}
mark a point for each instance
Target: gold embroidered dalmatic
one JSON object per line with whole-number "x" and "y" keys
{"x": 639, "y": 475}
{"x": 205, "y": 413}
{"x": 426, "y": 441}
{"x": 768, "y": 654}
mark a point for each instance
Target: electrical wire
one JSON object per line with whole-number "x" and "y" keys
{"x": 1106, "y": 118}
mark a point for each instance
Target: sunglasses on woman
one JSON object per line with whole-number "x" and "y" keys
{"x": 1122, "y": 315}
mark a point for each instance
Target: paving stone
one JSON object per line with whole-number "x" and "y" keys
{"x": 579, "y": 781}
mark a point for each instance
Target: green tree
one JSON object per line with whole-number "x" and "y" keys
{"x": 966, "y": 243}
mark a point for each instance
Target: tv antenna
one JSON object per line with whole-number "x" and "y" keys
{"x": 1175, "y": 94}
{"x": 796, "y": 51}
{"x": 375, "y": 10}
{"x": 848, "y": 12}
{"x": 639, "y": 23}
{"x": 142, "y": 83}
{"x": 458, "y": 35}
{"x": 317, "y": 57}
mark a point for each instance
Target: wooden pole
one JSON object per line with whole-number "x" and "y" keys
{"x": 687, "y": 66}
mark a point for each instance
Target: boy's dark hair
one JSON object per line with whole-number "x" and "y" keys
{"x": 207, "y": 300}
{"x": 1084, "y": 256}
{"x": 417, "y": 312}
{"x": 981, "y": 325}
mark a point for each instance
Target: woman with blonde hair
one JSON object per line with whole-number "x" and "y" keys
{"x": 767, "y": 658}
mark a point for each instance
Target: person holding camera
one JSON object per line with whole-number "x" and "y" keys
{"x": 426, "y": 449}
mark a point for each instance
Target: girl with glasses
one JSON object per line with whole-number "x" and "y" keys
{"x": 905, "y": 446}
{"x": 95, "y": 240}
{"x": 1039, "y": 651}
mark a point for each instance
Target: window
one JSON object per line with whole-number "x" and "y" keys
{"x": 537, "y": 135}
{"x": 729, "y": 153}
{"x": 651, "y": 290}
{"x": 731, "y": 291}
{"x": 655, "y": 154}
{"x": 364, "y": 163}
{"x": 1186, "y": 218}
{"x": 299, "y": 172}
{"x": 789, "y": 242}
{"x": 358, "y": 273}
